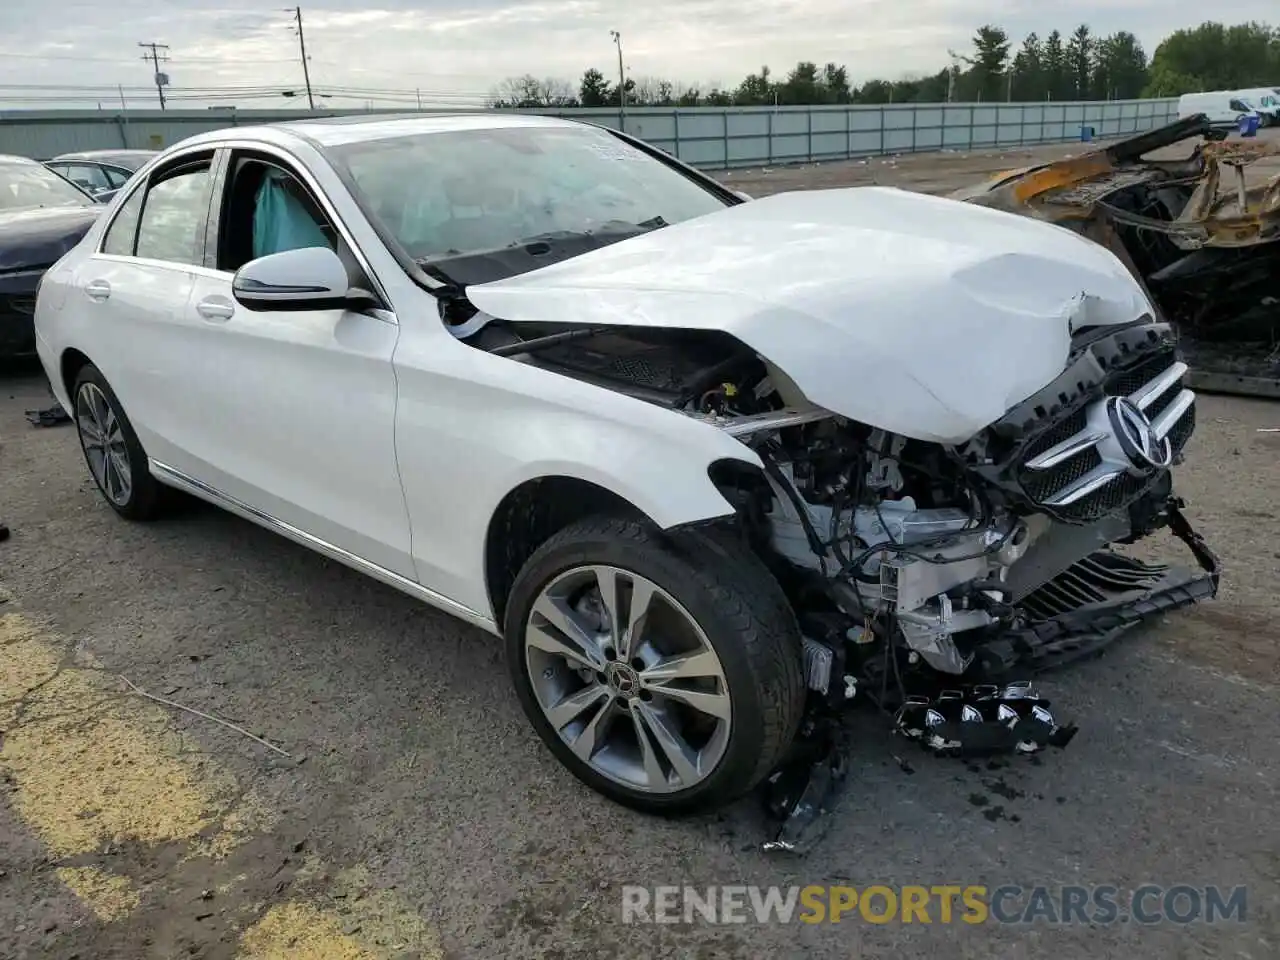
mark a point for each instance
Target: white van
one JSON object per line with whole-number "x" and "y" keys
{"x": 1224, "y": 108}
{"x": 1266, "y": 101}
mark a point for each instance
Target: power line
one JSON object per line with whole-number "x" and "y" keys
{"x": 302, "y": 44}
{"x": 155, "y": 58}
{"x": 210, "y": 61}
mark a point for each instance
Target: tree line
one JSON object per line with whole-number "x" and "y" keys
{"x": 1078, "y": 66}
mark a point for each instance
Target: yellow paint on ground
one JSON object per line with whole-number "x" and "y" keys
{"x": 382, "y": 917}
{"x": 251, "y": 817}
{"x": 110, "y": 897}
{"x": 25, "y": 663}
{"x": 299, "y": 931}
{"x": 93, "y": 764}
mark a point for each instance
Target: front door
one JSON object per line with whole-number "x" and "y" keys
{"x": 291, "y": 413}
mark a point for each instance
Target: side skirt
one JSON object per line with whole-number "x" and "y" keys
{"x": 173, "y": 478}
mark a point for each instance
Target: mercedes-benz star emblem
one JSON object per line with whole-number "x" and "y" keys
{"x": 1137, "y": 436}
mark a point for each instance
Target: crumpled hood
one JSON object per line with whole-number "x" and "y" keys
{"x": 39, "y": 236}
{"x": 921, "y": 315}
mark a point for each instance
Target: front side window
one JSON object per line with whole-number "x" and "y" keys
{"x": 267, "y": 210}
{"x": 29, "y": 184}
{"x": 457, "y": 193}
{"x": 172, "y": 215}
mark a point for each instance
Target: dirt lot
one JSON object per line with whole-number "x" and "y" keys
{"x": 416, "y": 815}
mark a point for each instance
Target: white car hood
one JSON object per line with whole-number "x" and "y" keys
{"x": 920, "y": 315}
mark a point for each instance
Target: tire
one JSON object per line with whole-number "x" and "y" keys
{"x": 732, "y": 605}
{"x": 93, "y": 404}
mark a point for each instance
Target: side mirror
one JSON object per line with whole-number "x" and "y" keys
{"x": 743, "y": 196}
{"x": 308, "y": 278}
{"x": 107, "y": 195}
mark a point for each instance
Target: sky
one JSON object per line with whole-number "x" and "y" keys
{"x": 455, "y": 52}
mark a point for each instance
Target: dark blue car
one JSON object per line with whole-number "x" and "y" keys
{"x": 42, "y": 216}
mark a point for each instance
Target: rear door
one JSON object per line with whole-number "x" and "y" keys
{"x": 137, "y": 286}
{"x": 290, "y": 413}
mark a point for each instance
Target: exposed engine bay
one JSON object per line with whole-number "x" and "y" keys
{"x": 924, "y": 577}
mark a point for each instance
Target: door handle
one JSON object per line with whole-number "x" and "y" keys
{"x": 215, "y": 308}
{"x": 98, "y": 289}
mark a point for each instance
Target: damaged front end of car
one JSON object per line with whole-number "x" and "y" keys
{"x": 932, "y": 580}
{"x": 1199, "y": 232}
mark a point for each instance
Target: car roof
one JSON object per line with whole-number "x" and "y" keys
{"x": 108, "y": 156}
{"x": 359, "y": 128}
{"x": 14, "y": 158}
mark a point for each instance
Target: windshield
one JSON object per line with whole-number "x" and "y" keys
{"x": 34, "y": 185}
{"x": 458, "y": 193}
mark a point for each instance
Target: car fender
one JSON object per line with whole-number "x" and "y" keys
{"x": 506, "y": 423}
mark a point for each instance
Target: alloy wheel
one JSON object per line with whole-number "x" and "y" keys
{"x": 628, "y": 679}
{"x": 102, "y": 438}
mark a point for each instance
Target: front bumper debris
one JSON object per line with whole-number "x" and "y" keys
{"x": 805, "y": 788}
{"x": 1077, "y": 614}
{"x": 985, "y": 719}
{"x": 1097, "y": 600}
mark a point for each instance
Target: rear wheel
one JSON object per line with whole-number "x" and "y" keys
{"x": 664, "y": 672}
{"x": 115, "y": 457}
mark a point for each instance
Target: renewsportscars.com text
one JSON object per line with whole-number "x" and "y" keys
{"x": 941, "y": 903}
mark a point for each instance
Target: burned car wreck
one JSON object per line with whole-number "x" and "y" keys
{"x": 1193, "y": 229}
{"x": 950, "y": 459}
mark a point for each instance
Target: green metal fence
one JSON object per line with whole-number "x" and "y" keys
{"x": 708, "y": 137}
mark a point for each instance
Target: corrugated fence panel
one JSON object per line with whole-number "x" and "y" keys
{"x": 708, "y": 137}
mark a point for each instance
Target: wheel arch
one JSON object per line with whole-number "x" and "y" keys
{"x": 529, "y": 515}
{"x": 536, "y": 509}
{"x": 70, "y": 364}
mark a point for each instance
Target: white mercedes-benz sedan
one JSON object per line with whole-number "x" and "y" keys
{"x": 713, "y": 467}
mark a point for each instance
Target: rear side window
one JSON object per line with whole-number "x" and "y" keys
{"x": 87, "y": 176}
{"x": 1239, "y": 105}
{"x": 173, "y": 216}
{"x": 123, "y": 230}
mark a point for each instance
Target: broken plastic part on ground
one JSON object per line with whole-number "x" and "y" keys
{"x": 996, "y": 716}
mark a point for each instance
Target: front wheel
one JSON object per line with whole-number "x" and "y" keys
{"x": 663, "y": 671}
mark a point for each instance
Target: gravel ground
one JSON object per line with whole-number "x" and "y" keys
{"x": 416, "y": 815}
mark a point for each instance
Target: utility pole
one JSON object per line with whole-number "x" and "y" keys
{"x": 156, "y": 58}
{"x": 302, "y": 44}
{"x": 622, "y": 81}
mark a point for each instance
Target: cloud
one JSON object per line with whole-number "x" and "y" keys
{"x": 452, "y": 51}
